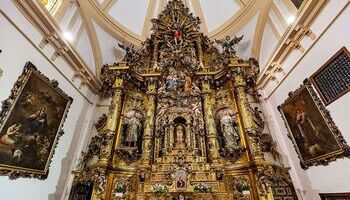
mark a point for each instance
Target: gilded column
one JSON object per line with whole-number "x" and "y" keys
{"x": 172, "y": 142}
{"x": 210, "y": 123}
{"x": 188, "y": 137}
{"x": 149, "y": 124}
{"x": 240, "y": 88}
{"x": 112, "y": 121}
{"x": 108, "y": 138}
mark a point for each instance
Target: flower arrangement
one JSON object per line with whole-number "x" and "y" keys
{"x": 119, "y": 188}
{"x": 158, "y": 189}
{"x": 244, "y": 188}
{"x": 202, "y": 188}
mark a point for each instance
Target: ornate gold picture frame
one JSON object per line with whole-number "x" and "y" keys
{"x": 316, "y": 138}
{"x": 31, "y": 121}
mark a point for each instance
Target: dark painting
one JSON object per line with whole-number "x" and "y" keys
{"x": 316, "y": 138}
{"x": 31, "y": 120}
{"x": 81, "y": 191}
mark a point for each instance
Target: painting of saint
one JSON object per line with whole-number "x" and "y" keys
{"x": 312, "y": 131}
{"x": 31, "y": 122}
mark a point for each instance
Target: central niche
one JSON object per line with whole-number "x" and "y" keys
{"x": 180, "y": 132}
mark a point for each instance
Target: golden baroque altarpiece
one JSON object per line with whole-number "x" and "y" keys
{"x": 180, "y": 125}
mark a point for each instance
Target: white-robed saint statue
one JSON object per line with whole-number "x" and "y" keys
{"x": 229, "y": 130}
{"x": 133, "y": 129}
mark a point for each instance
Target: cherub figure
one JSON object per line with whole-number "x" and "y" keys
{"x": 228, "y": 44}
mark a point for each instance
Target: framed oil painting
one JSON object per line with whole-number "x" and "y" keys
{"x": 315, "y": 137}
{"x": 30, "y": 125}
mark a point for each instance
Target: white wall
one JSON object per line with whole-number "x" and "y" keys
{"x": 18, "y": 47}
{"x": 332, "y": 31}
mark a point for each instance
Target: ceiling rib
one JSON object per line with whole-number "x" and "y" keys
{"x": 273, "y": 27}
{"x": 259, "y": 30}
{"x": 149, "y": 15}
{"x": 110, "y": 25}
{"x": 61, "y": 11}
{"x": 199, "y": 13}
{"x": 78, "y": 35}
{"x": 237, "y": 21}
{"x": 73, "y": 20}
{"x": 91, "y": 32}
{"x": 108, "y": 4}
{"x": 279, "y": 15}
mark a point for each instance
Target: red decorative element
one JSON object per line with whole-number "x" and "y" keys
{"x": 177, "y": 33}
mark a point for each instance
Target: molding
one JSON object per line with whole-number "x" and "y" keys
{"x": 45, "y": 56}
{"x": 149, "y": 15}
{"x": 73, "y": 20}
{"x": 78, "y": 35}
{"x": 237, "y": 21}
{"x": 109, "y": 24}
{"x": 108, "y": 4}
{"x": 260, "y": 29}
{"x": 306, "y": 51}
{"x": 279, "y": 15}
{"x": 274, "y": 28}
{"x": 58, "y": 16}
{"x": 94, "y": 42}
{"x": 197, "y": 8}
{"x": 42, "y": 20}
{"x": 290, "y": 6}
{"x": 291, "y": 39}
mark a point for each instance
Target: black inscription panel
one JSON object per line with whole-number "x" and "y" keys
{"x": 333, "y": 79}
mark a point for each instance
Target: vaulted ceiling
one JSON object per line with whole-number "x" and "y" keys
{"x": 95, "y": 27}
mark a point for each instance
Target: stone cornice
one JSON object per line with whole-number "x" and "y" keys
{"x": 290, "y": 41}
{"x": 51, "y": 33}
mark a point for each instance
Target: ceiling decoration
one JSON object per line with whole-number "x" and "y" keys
{"x": 102, "y": 24}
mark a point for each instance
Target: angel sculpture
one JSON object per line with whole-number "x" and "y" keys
{"x": 129, "y": 52}
{"x": 228, "y": 44}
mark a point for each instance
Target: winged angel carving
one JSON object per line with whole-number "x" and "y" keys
{"x": 228, "y": 44}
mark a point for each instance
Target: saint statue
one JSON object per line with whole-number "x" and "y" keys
{"x": 132, "y": 131}
{"x": 229, "y": 130}
{"x": 188, "y": 84}
{"x": 180, "y": 139}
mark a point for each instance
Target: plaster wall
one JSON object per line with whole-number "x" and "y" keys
{"x": 332, "y": 34}
{"x": 19, "y": 42}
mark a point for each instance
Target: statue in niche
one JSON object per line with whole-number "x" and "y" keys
{"x": 257, "y": 117}
{"x": 188, "y": 84}
{"x": 229, "y": 130}
{"x": 180, "y": 134}
{"x": 132, "y": 129}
